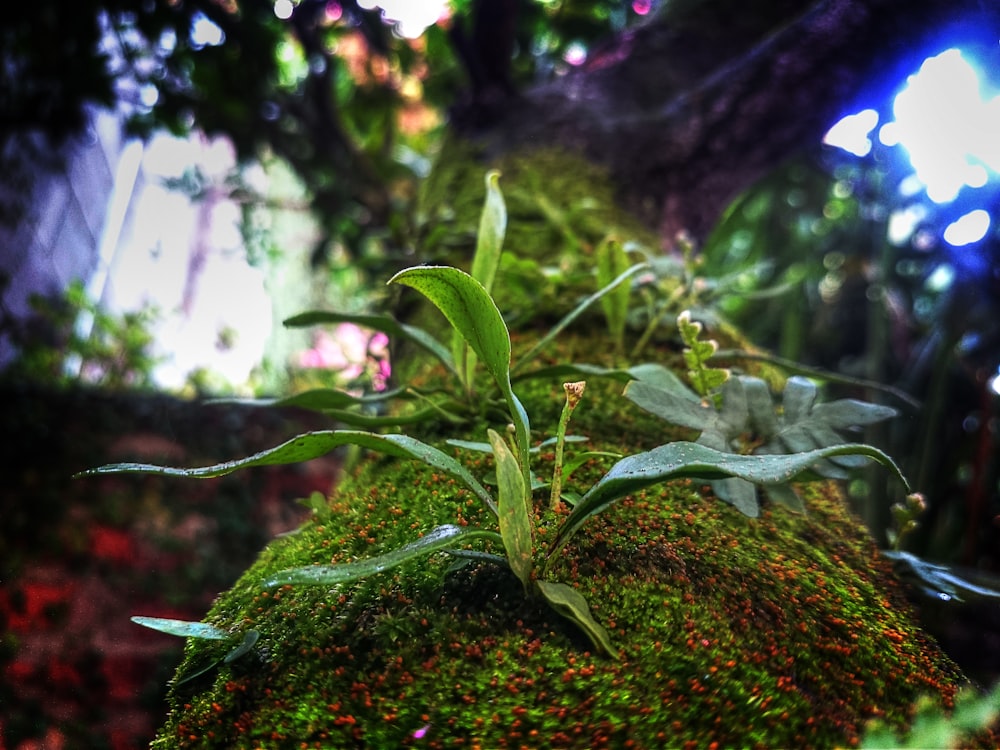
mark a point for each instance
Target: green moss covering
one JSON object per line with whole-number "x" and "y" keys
{"x": 782, "y": 631}
{"x": 776, "y": 632}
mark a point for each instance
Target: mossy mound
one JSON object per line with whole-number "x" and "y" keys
{"x": 781, "y": 631}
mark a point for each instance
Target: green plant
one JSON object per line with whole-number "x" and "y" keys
{"x": 70, "y": 338}
{"x": 737, "y": 414}
{"x": 933, "y": 727}
{"x": 474, "y": 316}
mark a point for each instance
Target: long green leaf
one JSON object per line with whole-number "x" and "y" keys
{"x": 515, "y": 509}
{"x": 439, "y": 538}
{"x": 469, "y": 309}
{"x": 311, "y": 445}
{"x": 489, "y": 247}
{"x": 182, "y": 628}
{"x": 492, "y": 228}
{"x": 384, "y": 323}
{"x": 318, "y": 399}
{"x": 612, "y": 261}
{"x": 472, "y": 312}
{"x": 570, "y": 604}
{"x": 690, "y": 460}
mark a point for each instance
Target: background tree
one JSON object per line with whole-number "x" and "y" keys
{"x": 688, "y": 109}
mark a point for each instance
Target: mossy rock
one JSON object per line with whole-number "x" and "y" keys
{"x": 781, "y": 631}
{"x": 787, "y": 630}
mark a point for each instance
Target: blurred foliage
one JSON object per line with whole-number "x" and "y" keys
{"x": 332, "y": 90}
{"x": 71, "y": 339}
{"x": 825, "y": 277}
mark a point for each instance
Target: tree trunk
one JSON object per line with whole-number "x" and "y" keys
{"x": 694, "y": 107}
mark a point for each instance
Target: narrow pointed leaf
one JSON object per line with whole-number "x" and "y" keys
{"x": 492, "y": 228}
{"x": 311, "y": 445}
{"x": 690, "y": 460}
{"x": 568, "y": 602}
{"x": 612, "y": 261}
{"x": 182, "y": 628}
{"x": 319, "y": 399}
{"x": 513, "y": 502}
{"x": 440, "y": 538}
{"x": 489, "y": 247}
{"x": 577, "y": 311}
{"x": 249, "y": 639}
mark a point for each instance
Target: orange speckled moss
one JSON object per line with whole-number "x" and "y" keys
{"x": 781, "y": 631}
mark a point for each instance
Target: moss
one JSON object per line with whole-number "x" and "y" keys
{"x": 780, "y": 631}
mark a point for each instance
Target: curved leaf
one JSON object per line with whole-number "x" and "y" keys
{"x": 691, "y": 460}
{"x": 439, "y": 538}
{"x": 570, "y": 604}
{"x": 473, "y": 313}
{"x": 311, "y": 445}
{"x": 492, "y": 228}
{"x": 469, "y": 309}
{"x": 317, "y": 399}
{"x": 249, "y": 639}
{"x": 577, "y": 311}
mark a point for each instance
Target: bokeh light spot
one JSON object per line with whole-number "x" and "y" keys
{"x": 851, "y": 133}
{"x": 970, "y": 228}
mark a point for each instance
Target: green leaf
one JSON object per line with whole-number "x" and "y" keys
{"x": 492, "y": 228}
{"x": 612, "y": 261}
{"x": 805, "y": 425}
{"x": 384, "y": 323}
{"x": 471, "y": 312}
{"x": 318, "y": 399}
{"x": 182, "y": 628}
{"x": 480, "y": 447}
{"x": 439, "y": 538}
{"x": 570, "y": 604}
{"x": 682, "y": 408}
{"x": 249, "y": 639}
{"x": 469, "y": 309}
{"x": 311, "y": 445}
{"x": 514, "y": 509}
{"x": 691, "y": 460}
{"x": 489, "y": 247}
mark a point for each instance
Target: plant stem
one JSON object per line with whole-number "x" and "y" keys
{"x": 574, "y": 392}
